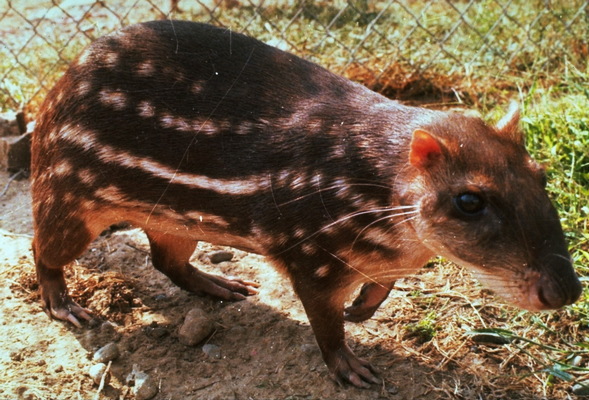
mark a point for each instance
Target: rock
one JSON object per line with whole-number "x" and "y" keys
{"x": 155, "y": 331}
{"x": 97, "y": 371}
{"x": 144, "y": 387}
{"x": 392, "y": 390}
{"x": 219, "y": 256}
{"x": 196, "y": 327}
{"x": 212, "y": 350}
{"x": 15, "y": 141}
{"x": 11, "y": 123}
{"x": 17, "y": 355}
{"x": 107, "y": 331}
{"x": 15, "y": 152}
{"x": 106, "y": 353}
{"x": 576, "y": 361}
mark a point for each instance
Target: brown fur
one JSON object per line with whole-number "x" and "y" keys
{"x": 197, "y": 133}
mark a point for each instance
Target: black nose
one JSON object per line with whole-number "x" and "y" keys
{"x": 558, "y": 291}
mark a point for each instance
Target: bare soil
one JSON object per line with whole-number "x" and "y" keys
{"x": 267, "y": 348}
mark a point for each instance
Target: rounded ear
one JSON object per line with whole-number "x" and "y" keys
{"x": 508, "y": 126}
{"x": 424, "y": 149}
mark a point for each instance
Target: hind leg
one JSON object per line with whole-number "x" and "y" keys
{"x": 55, "y": 246}
{"x": 171, "y": 254}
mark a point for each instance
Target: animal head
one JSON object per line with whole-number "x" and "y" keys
{"x": 482, "y": 204}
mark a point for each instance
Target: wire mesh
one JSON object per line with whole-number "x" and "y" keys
{"x": 398, "y": 47}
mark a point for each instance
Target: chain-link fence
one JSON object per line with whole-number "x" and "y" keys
{"x": 462, "y": 50}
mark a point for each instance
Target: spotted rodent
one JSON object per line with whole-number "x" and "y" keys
{"x": 194, "y": 132}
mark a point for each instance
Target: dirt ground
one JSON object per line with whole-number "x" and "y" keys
{"x": 267, "y": 349}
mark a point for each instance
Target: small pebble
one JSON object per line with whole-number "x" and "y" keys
{"x": 97, "y": 371}
{"x": 107, "y": 331}
{"x": 107, "y": 328}
{"x": 9, "y": 124}
{"x": 145, "y": 387}
{"x": 581, "y": 388}
{"x": 155, "y": 331}
{"x": 160, "y": 297}
{"x": 212, "y": 350}
{"x": 106, "y": 353}
{"x": 196, "y": 327}
{"x": 576, "y": 361}
{"x": 219, "y": 256}
{"x": 393, "y": 390}
{"x": 16, "y": 355}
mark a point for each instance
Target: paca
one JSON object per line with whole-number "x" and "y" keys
{"x": 193, "y": 132}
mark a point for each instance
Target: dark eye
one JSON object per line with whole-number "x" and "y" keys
{"x": 469, "y": 204}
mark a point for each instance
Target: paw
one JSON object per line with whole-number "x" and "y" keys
{"x": 368, "y": 301}
{"x": 347, "y": 368}
{"x": 359, "y": 313}
{"x": 68, "y": 310}
{"x": 228, "y": 289}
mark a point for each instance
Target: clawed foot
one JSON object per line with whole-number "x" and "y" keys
{"x": 347, "y": 368}
{"x": 64, "y": 308}
{"x": 359, "y": 312}
{"x": 365, "y": 305}
{"x": 56, "y": 301}
{"x": 229, "y": 289}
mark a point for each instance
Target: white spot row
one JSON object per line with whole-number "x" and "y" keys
{"x": 110, "y": 155}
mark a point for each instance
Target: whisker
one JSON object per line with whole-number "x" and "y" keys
{"x": 335, "y": 186}
{"x": 323, "y": 203}
{"x": 341, "y": 220}
{"x": 366, "y": 276}
{"x": 567, "y": 259}
{"x": 414, "y": 216}
{"x": 393, "y": 275}
{"x": 273, "y": 197}
{"x": 480, "y": 270}
{"x": 384, "y": 218}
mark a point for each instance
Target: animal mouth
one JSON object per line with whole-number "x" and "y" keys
{"x": 540, "y": 298}
{"x": 537, "y": 291}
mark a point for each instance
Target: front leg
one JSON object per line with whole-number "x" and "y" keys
{"x": 370, "y": 298}
{"x": 323, "y": 300}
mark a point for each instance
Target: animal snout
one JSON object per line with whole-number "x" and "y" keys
{"x": 552, "y": 291}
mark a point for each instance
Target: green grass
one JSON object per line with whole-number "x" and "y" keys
{"x": 556, "y": 124}
{"x": 423, "y": 330}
